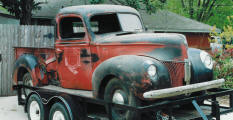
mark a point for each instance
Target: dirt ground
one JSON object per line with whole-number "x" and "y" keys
{"x": 9, "y": 110}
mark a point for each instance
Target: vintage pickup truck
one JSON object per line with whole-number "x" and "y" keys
{"x": 106, "y": 49}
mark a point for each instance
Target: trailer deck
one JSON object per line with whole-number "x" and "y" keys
{"x": 83, "y": 93}
{"x": 169, "y": 109}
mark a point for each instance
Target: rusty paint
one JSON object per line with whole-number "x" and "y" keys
{"x": 83, "y": 63}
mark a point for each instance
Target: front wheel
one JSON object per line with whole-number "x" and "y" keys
{"x": 117, "y": 92}
{"x": 58, "y": 112}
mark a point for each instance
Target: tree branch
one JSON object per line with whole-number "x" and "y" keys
{"x": 208, "y": 13}
{"x": 183, "y": 5}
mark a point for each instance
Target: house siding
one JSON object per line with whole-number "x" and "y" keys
{"x": 198, "y": 40}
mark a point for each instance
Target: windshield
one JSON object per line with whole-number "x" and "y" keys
{"x": 130, "y": 22}
{"x": 121, "y": 22}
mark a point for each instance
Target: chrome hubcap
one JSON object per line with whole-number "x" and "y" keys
{"x": 58, "y": 116}
{"x": 34, "y": 111}
{"x": 118, "y": 97}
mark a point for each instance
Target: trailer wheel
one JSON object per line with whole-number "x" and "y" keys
{"x": 35, "y": 108}
{"x": 27, "y": 80}
{"x": 117, "y": 92}
{"x": 58, "y": 112}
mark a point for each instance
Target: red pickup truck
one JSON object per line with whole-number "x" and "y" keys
{"x": 106, "y": 49}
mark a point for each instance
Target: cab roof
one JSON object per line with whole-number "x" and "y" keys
{"x": 96, "y": 9}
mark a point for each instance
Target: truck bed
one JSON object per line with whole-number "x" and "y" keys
{"x": 83, "y": 93}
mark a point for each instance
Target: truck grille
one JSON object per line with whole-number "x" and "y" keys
{"x": 176, "y": 71}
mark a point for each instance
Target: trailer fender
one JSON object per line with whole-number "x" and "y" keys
{"x": 131, "y": 70}
{"x": 27, "y": 98}
{"x": 73, "y": 107}
{"x": 27, "y": 63}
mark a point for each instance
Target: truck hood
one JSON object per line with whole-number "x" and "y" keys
{"x": 161, "y": 46}
{"x": 144, "y": 38}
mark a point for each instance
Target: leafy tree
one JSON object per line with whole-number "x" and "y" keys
{"x": 137, "y": 4}
{"x": 212, "y": 12}
{"x": 22, "y": 9}
{"x": 226, "y": 36}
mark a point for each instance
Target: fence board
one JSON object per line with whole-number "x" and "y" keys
{"x": 19, "y": 36}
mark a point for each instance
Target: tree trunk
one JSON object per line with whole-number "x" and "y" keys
{"x": 26, "y": 16}
{"x": 191, "y": 10}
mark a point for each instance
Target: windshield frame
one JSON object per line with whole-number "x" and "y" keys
{"x": 139, "y": 17}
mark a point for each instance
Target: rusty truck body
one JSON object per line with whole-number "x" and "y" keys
{"x": 105, "y": 49}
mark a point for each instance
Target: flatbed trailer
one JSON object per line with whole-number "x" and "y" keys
{"x": 95, "y": 109}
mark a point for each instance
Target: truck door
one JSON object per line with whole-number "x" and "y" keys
{"x": 73, "y": 53}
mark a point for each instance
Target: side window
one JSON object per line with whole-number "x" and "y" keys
{"x": 72, "y": 27}
{"x": 107, "y": 23}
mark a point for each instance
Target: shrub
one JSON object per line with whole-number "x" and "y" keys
{"x": 223, "y": 67}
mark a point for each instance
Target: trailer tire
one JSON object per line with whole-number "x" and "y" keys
{"x": 116, "y": 88}
{"x": 58, "y": 112}
{"x": 27, "y": 80}
{"x": 35, "y": 108}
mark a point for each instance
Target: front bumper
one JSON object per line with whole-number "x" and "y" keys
{"x": 170, "y": 92}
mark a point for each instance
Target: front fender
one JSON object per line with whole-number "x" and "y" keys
{"x": 29, "y": 63}
{"x": 132, "y": 71}
{"x": 199, "y": 73}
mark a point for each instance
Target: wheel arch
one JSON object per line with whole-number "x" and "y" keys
{"x": 103, "y": 85}
{"x": 73, "y": 107}
{"x": 130, "y": 69}
{"x": 21, "y": 72}
{"x": 24, "y": 64}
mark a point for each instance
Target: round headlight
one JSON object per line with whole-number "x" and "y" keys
{"x": 151, "y": 71}
{"x": 206, "y": 59}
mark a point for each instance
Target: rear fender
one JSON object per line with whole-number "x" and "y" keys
{"x": 27, "y": 63}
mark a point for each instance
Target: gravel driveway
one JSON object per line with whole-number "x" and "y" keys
{"x": 9, "y": 110}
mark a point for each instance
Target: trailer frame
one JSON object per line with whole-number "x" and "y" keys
{"x": 156, "y": 107}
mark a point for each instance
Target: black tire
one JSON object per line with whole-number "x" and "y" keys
{"x": 116, "y": 86}
{"x": 61, "y": 109}
{"x": 35, "y": 108}
{"x": 27, "y": 80}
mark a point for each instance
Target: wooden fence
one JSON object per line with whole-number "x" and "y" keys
{"x": 19, "y": 36}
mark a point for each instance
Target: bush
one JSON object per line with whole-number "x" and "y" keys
{"x": 223, "y": 67}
